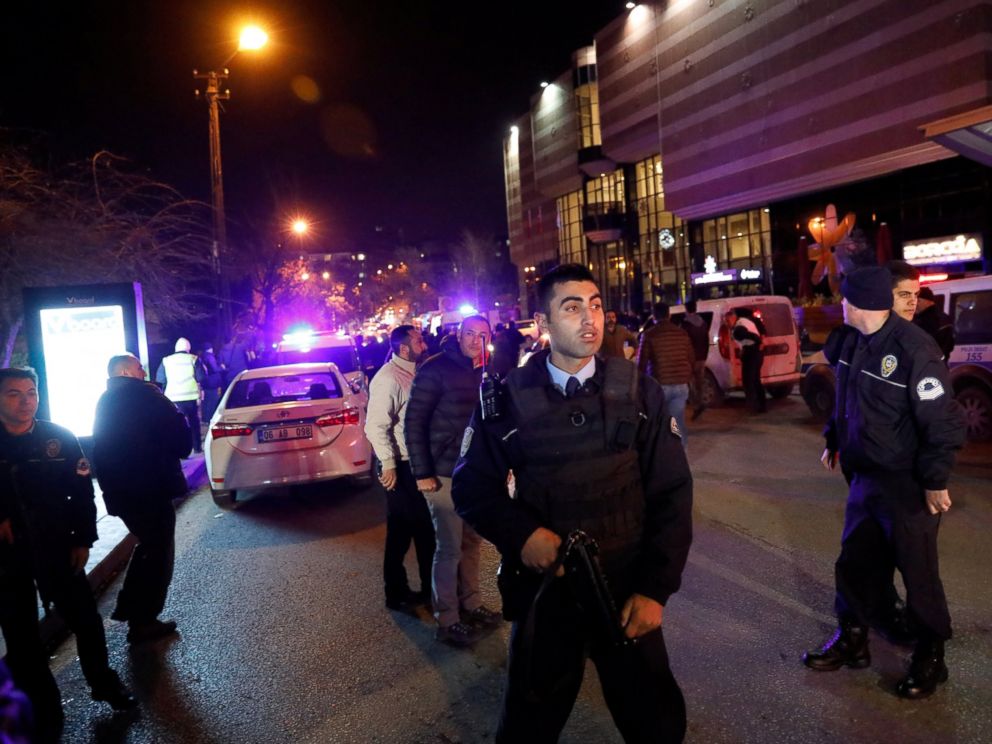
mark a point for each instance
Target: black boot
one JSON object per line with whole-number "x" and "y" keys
{"x": 847, "y": 647}
{"x": 111, "y": 690}
{"x": 926, "y": 671}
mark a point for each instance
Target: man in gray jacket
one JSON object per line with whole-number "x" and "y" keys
{"x": 407, "y": 516}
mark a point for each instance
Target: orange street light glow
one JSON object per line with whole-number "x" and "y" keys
{"x": 300, "y": 227}
{"x": 252, "y": 38}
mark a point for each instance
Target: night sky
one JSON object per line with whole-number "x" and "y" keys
{"x": 414, "y": 98}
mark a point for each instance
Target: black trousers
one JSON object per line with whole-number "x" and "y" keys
{"x": 887, "y": 523}
{"x": 754, "y": 391}
{"x": 26, "y": 655}
{"x": 545, "y": 675}
{"x": 149, "y": 572}
{"x": 190, "y": 409}
{"x": 408, "y": 519}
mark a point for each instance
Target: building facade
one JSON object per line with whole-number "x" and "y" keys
{"x": 689, "y": 149}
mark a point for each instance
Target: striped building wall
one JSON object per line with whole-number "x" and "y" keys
{"x": 553, "y": 122}
{"x": 764, "y": 99}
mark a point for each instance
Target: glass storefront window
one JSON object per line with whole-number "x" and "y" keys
{"x": 571, "y": 239}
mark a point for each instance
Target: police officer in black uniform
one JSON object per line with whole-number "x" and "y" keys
{"x": 895, "y": 428}
{"x": 47, "y": 526}
{"x": 591, "y": 448}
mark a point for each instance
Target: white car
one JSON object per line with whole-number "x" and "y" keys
{"x": 295, "y": 423}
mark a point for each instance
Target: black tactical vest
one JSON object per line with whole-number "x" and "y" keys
{"x": 576, "y": 459}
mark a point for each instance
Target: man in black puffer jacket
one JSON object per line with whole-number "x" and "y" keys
{"x": 444, "y": 395}
{"x": 139, "y": 437}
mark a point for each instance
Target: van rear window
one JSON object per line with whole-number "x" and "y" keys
{"x": 283, "y": 389}
{"x": 777, "y": 318}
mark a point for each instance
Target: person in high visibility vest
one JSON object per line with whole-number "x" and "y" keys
{"x": 182, "y": 375}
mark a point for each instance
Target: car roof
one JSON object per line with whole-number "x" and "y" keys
{"x": 286, "y": 370}
{"x": 963, "y": 284}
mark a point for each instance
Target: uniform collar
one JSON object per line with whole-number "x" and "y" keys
{"x": 878, "y": 338}
{"x": 560, "y": 377}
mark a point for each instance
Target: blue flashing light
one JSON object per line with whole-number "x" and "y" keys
{"x": 467, "y": 309}
{"x": 299, "y": 335}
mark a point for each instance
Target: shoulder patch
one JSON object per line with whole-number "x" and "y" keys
{"x": 889, "y": 364}
{"x": 466, "y": 441}
{"x": 83, "y": 467}
{"x": 675, "y": 428}
{"x": 929, "y": 388}
{"x": 53, "y": 447}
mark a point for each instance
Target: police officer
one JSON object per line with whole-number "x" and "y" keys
{"x": 748, "y": 334}
{"x": 47, "y": 526}
{"x": 591, "y": 447}
{"x": 182, "y": 375}
{"x": 895, "y": 428}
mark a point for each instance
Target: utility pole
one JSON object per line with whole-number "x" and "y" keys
{"x": 214, "y": 95}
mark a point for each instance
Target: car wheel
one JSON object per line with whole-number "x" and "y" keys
{"x": 224, "y": 499}
{"x": 780, "y": 391}
{"x": 818, "y": 392}
{"x": 977, "y": 405}
{"x": 711, "y": 394}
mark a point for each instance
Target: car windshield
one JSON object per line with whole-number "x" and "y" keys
{"x": 344, "y": 357}
{"x": 777, "y": 318}
{"x": 262, "y": 391}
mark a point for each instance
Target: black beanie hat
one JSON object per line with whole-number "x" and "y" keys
{"x": 868, "y": 288}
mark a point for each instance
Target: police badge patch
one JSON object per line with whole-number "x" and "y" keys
{"x": 83, "y": 467}
{"x": 929, "y": 388}
{"x": 889, "y": 364}
{"x": 675, "y": 428}
{"x": 53, "y": 447}
{"x": 466, "y": 441}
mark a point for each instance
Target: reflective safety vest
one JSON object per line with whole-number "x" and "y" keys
{"x": 180, "y": 377}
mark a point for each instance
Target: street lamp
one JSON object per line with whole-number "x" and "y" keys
{"x": 252, "y": 38}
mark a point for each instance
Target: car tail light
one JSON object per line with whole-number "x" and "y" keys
{"x": 344, "y": 417}
{"x": 724, "y": 342}
{"x": 221, "y": 430}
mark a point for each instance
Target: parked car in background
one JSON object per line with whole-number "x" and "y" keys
{"x": 294, "y": 423}
{"x": 306, "y": 346}
{"x": 968, "y": 302}
{"x": 781, "y": 365}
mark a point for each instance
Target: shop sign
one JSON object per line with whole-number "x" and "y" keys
{"x": 724, "y": 276}
{"x": 945, "y": 250}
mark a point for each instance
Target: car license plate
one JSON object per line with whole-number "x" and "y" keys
{"x": 285, "y": 433}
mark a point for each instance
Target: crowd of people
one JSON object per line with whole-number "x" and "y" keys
{"x": 586, "y": 441}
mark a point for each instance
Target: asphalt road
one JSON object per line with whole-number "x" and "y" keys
{"x": 285, "y": 638}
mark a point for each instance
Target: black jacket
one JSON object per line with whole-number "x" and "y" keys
{"x": 444, "y": 394}
{"x": 488, "y": 453}
{"x": 46, "y": 488}
{"x": 939, "y": 325}
{"x": 138, "y": 438}
{"x": 895, "y": 407}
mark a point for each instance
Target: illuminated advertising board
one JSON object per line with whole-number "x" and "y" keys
{"x": 72, "y": 333}
{"x": 77, "y": 343}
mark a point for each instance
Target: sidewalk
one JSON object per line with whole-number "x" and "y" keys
{"x": 112, "y": 550}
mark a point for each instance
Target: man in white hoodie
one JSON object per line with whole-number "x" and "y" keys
{"x": 407, "y": 516}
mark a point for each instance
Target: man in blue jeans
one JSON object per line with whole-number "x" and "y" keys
{"x": 667, "y": 355}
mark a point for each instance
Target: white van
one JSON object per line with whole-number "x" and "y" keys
{"x": 780, "y": 368}
{"x": 969, "y": 304}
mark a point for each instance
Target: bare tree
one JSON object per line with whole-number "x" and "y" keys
{"x": 97, "y": 221}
